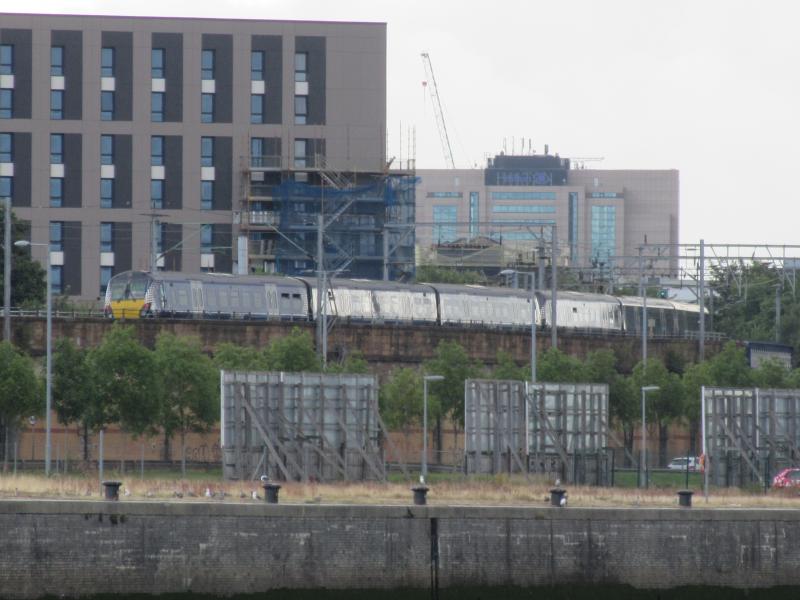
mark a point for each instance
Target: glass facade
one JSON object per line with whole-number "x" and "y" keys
{"x": 107, "y": 62}
{"x": 522, "y": 208}
{"x": 257, "y": 65}
{"x": 106, "y": 149}
{"x": 106, "y": 106}
{"x": 106, "y": 193}
{"x": 56, "y": 105}
{"x": 604, "y": 233}
{"x": 207, "y": 64}
{"x": 474, "y": 212}
{"x": 57, "y": 61}
{"x": 444, "y": 195}
{"x": 157, "y": 150}
{"x": 157, "y": 63}
{"x": 573, "y": 226}
{"x": 6, "y": 148}
{"x": 444, "y": 233}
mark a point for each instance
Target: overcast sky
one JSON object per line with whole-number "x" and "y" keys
{"x": 711, "y": 88}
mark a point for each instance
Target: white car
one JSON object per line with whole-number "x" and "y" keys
{"x": 679, "y": 463}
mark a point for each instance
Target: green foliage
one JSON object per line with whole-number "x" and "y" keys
{"x": 189, "y": 385}
{"x": 401, "y": 399}
{"x": 507, "y": 369}
{"x": 231, "y": 357}
{"x": 729, "y": 368}
{"x": 663, "y": 405}
{"x": 128, "y": 382}
{"x": 75, "y": 386}
{"x": 294, "y": 352}
{"x": 453, "y": 363}
{"x": 20, "y": 389}
{"x": 353, "y": 363}
{"x": 28, "y": 284}
{"x": 554, "y": 366}
{"x": 771, "y": 374}
{"x": 431, "y": 274}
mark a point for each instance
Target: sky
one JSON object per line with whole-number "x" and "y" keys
{"x": 708, "y": 87}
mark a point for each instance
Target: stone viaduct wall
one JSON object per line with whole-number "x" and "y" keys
{"x": 75, "y": 548}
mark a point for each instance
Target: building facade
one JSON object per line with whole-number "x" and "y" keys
{"x": 500, "y": 214}
{"x": 136, "y": 143}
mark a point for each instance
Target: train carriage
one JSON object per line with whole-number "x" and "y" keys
{"x": 662, "y": 318}
{"x": 575, "y": 310}
{"x": 475, "y": 304}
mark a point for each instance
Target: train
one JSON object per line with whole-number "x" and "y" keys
{"x": 139, "y": 294}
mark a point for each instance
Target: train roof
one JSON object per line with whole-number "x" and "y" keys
{"x": 479, "y": 290}
{"x": 371, "y": 284}
{"x": 580, "y": 297}
{"x": 225, "y": 278}
{"x": 651, "y": 302}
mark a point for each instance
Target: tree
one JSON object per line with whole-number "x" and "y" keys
{"x": 729, "y": 368}
{"x": 28, "y": 278}
{"x": 401, "y": 401}
{"x": 75, "y": 390}
{"x": 128, "y": 382}
{"x": 556, "y": 367}
{"x": 664, "y": 405}
{"x": 431, "y": 274}
{"x": 189, "y": 389}
{"x": 771, "y": 374}
{"x": 230, "y": 357}
{"x": 454, "y": 364}
{"x": 695, "y": 377}
{"x": 294, "y": 352}
{"x": 353, "y": 363}
{"x": 20, "y": 391}
{"x": 507, "y": 369}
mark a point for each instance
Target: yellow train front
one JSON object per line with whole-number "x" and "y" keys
{"x": 125, "y": 295}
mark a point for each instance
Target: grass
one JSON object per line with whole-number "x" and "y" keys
{"x": 446, "y": 489}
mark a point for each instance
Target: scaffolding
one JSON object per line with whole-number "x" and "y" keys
{"x": 300, "y": 427}
{"x": 750, "y": 434}
{"x": 367, "y": 219}
{"x": 556, "y": 429}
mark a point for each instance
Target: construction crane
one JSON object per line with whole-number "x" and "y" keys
{"x": 437, "y": 110}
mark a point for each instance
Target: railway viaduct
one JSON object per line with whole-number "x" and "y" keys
{"x": 383, "y": 345}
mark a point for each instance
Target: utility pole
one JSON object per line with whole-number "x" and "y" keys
{"x": 554, "y": 282}
{"x": 154, "y": 227}
{"x": 643, "y": 294}
{"x": 7, "y": 270}
{"x": 321, "y": 324}
{"x": 385, "y": 253}
{"x": 778, "y": 291}
{"x": 701, "y": 301}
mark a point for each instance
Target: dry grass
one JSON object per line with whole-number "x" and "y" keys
{"x": 497, "y": 491}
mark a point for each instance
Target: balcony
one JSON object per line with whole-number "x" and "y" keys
{"x": 261, "y": 248}
{"x": 261, "y": 218}
{"x": 265, "y": 163}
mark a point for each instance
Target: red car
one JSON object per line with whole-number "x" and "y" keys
{"x": 787, "y": 478}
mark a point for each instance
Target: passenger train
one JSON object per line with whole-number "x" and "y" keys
{"x": 137, "y": 294}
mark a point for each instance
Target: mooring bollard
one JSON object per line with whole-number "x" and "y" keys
{"x": 112, "y": 489}
{"x": 420, "y": 494}
{"x": 685, "y": 498}
{"x": 557, "y": 497}
{"x": 271, "y": 492}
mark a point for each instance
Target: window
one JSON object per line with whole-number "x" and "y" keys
{"x": 106, "y": 149}
{"x": 157, "y": 107}
{"x": 523, "y": 195}
{"x": 6, "y": 148}
{"x": 206, "y": 238}
{"x": 256, "y": 152}
{"x": 207, "y": 195}
{"x": 56, "y": 192}
{"x": 257, "y": 65}
{"x": 522, "y": 208}
{"x": 106, "y": 237}
{"x": 56, "y": 245}
{"x": 157, "y": 63}
{"x": 6, "y": 103}
{"x": 444, "y": 195}
{"x": 301, "y": 66}
{"x": 207, "y": 64}
{"x": 207, "y": 152}
{"x": 604, "y": 233}
{"x": 106, "y": 106}
{"x": 300, "y": 154}
{"x": 107, "y": 62}
{"x": 56, "y": 148}
{"x": 105, "y": 276}
{"x": 474, "y": 205}
{"x": 444, "y": 214}
{"x": 257, "y": 108}
{"x": 56, "y": 105}
{"x": 6, "y": 187}
{"x": 207, "y": 108}
{"x": 57, "y": 60}
{"x": 157, "y": 150}
{"x": 6, "y": 59}
{"x": 573, "y": 225}
{"x": 300, "y": 110}
{"x": 157, "y": 193}
{"x": 106, "y": 193}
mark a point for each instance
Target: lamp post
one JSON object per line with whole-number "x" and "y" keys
{"x": 49, "y": 359}
{"x": 643, "y": 459}
{"x": 424, "y": 475}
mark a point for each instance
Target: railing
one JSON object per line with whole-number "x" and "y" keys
{"x": 260, "y": 217}
{"x": 265, "y": 162}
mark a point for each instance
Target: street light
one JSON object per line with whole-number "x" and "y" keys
{"x": 425, "y": 381}
{"x": 49, "y": 365}
{"x": 643, "y": 459}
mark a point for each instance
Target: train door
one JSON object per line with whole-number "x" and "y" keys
{"x": 197, "y": 297}
{"x": 271, "y": 293}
